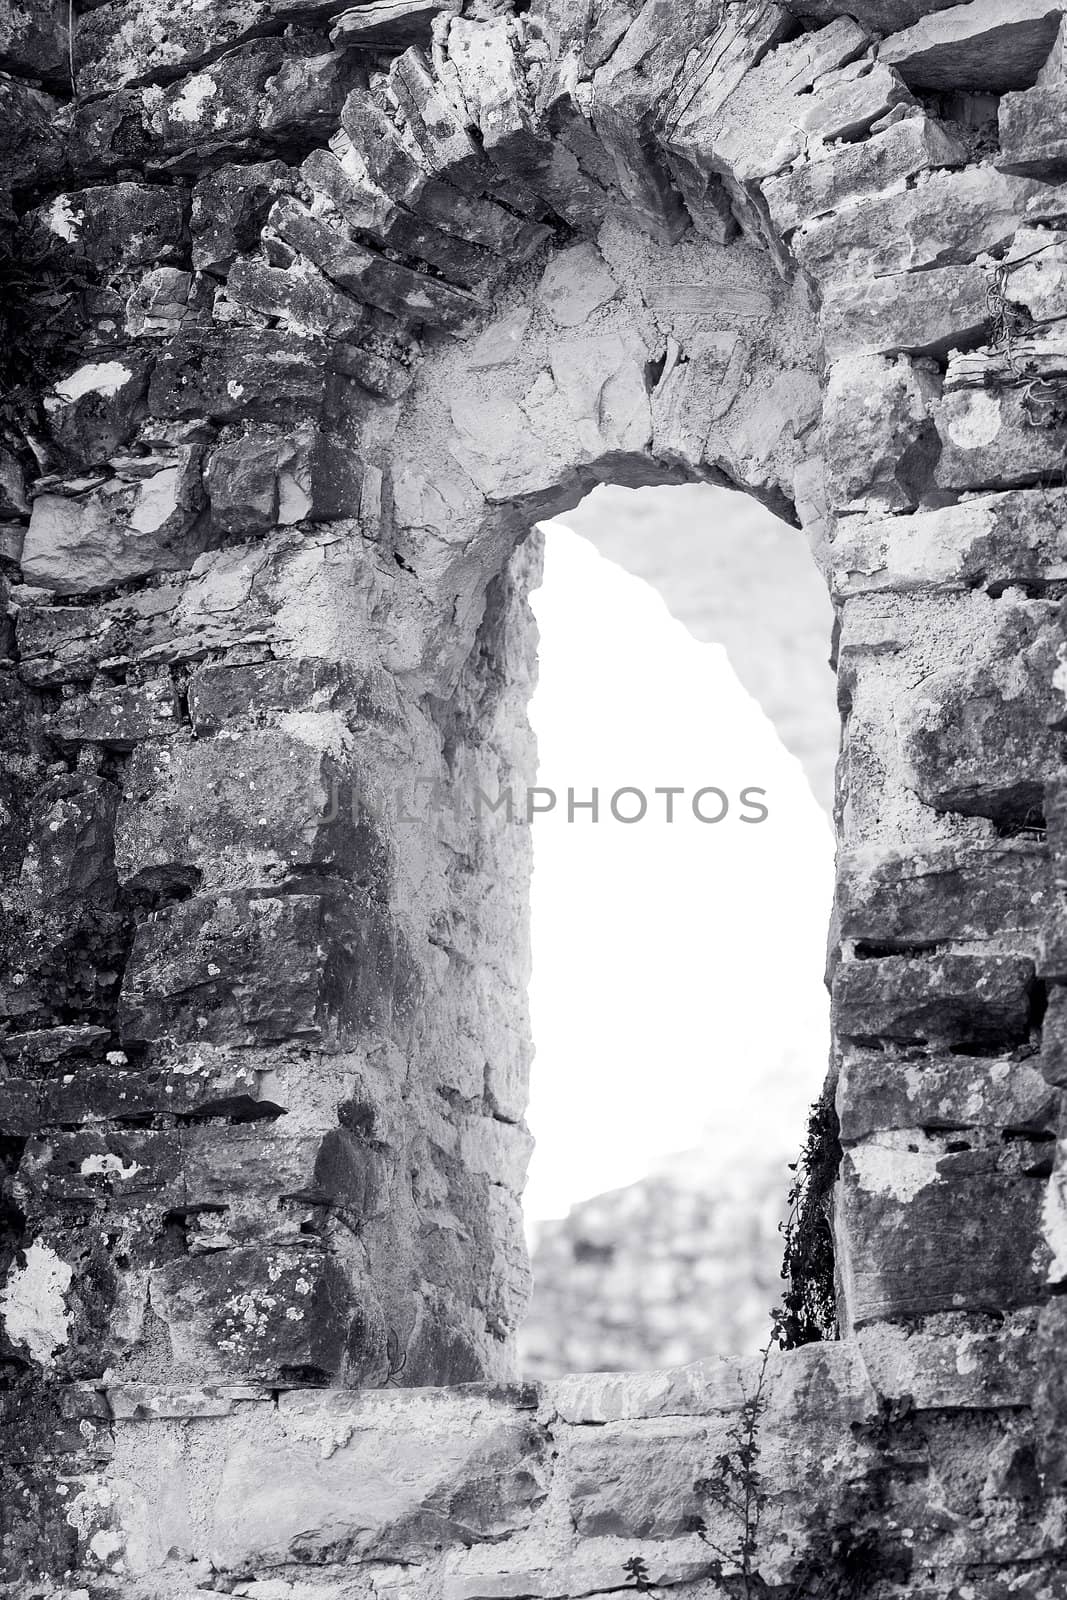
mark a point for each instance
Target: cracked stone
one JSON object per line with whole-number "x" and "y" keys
{"x": 119, "y": 531}
{"x": 945, "y": 999}
{"x": 841, "y": 173}
{"x": 880, "y": 440}
{"x": 976, "y": 46}
{"x": 576, "y": 284}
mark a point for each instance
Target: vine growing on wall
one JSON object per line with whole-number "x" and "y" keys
{"x": 856, "y": 1548}
{"x": 734, "y": 1488}
{"x": 808, "y": 1311}
{"x": 1044, "y": 399}
{"x": 42, "y": 323}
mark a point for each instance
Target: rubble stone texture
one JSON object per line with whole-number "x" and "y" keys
{"x": 311, "y": 312}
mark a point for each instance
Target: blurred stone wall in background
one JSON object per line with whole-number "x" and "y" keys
{"x": 682, "y": 1265}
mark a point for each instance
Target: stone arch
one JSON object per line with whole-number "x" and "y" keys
{"x": 265, "y": 1051}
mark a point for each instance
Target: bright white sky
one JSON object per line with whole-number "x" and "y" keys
{"x": 677, "y": 990}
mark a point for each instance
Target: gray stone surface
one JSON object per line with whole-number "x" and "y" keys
{"x": 267, "y": 1077}
{"x": 976, "y": 45}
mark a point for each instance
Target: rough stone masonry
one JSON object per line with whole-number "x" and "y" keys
{"x": 310, "y": 313}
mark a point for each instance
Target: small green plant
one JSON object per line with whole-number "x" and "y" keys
{"x": 636, "y": 1570}
{"x": 735, "y": 1488}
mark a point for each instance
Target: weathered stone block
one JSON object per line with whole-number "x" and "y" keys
{"x": 379, "y": 23}
{"x": 118, "y": 1092}
{"x": 367, "y": 210}
{"x": 367, "y": 275}
{"x": 353, "y": 1174}
{"x": 69, "y": 858}
{"x": 575, "y": 285}
{"x": 127, "y": 41}
{"x": 119, "y": 717}
{"x": 34, "y": 39}
{"x": 224, "y": 375}
{"x": 605, "y": 387}
{"x": 698, "y": 392}
{"x": 394, "y": 163}
{"x": 21, "y": 1107}
{"x": 880, "y": 1094}
{"x": 95, "y": 408}
{"x": 241, "y": 480}
{"x": 119, "y": 1169}
{"x": 1033, "y": 132}
{"x": 881, "y": 16}
{"x": 387, "y": 376}
{"x": 470, "y": 1468}
{"x": 989, "y": 439}
{"x": 304, "y": 301}
{"x": 635, "y": 1479}
{"x": 265, "y": 480}
{"x": 242, "y": 968}
{"x": 63, "y": 644}
{"x": 255, "y": 1313}
{"x": 840, "y": 174}
{"x": 493, "y": 443}
{"x": 956, "y": 893}
{"x": 116, "y": 227}
{"x": 255, "y": 1182}
{"x": 13, "y": 500}
{"x": 795, "y": 98}
{"x": 38, "y": 1052}
{"x": 499, "y": 344}
{"x": 977, "y": 736}
{"x": 918, "y": 1238}
{"x": 122, "y": 530}
{"x": 943, "y": 999}
{"x": 229, "y": 210}
{"x": 1053, "y": 1058}
{"x": 232, "y": 814}
{"x": 923, "y": 313}
{"x": 847, "y": 103}
{"x": 31, "y": 137}
{"x": 431, "y": 103}
{"x": 976, "y": 46}
{"x": 943, "y": 218}
{"x": 954, "y": 1361}
{"x": 161, "y": 305}
{"x": 631, "y": 80}
{"x": 1035, "y": 278}
{"x": 879, "y": 436}
{"x": 1050, "y": 1400}
{"x": 268, "y": 90}
{"x": 692, "y": 113}
{"x": 487, "y": 69}
{"x": 997, "y": 538}
{"x": 145, "y": 1402}
{"x": 220, "y": 693}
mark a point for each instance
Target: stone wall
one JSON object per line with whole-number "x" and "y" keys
{"x": 312, "y": 313}
{"x": 682, "y": 1265}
